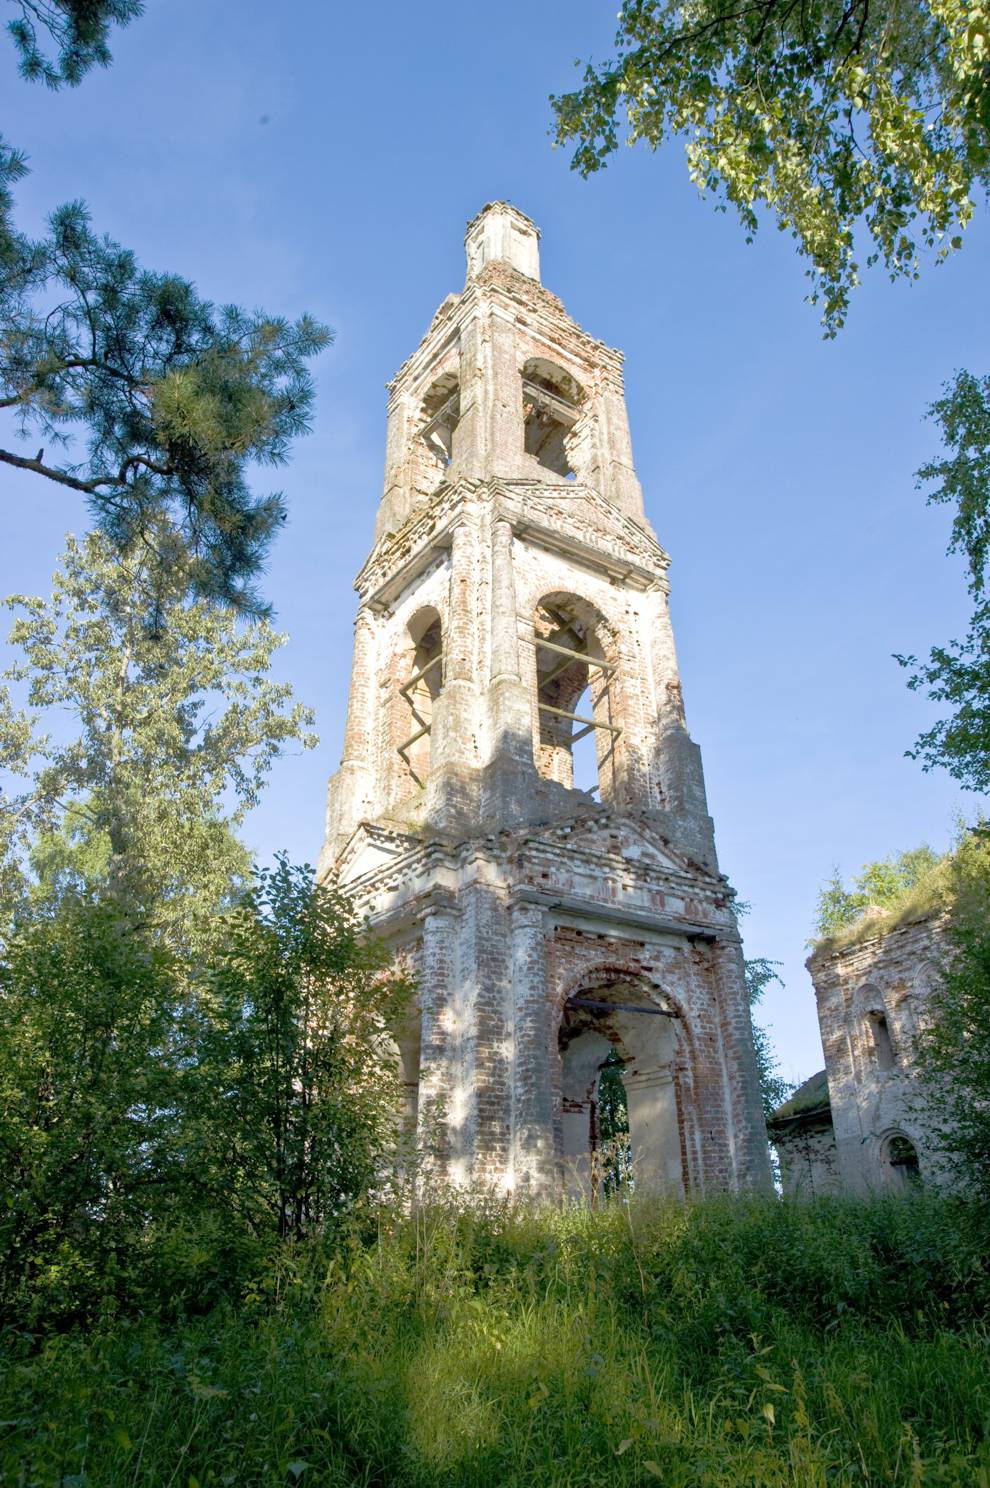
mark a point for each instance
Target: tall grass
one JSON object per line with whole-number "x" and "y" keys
{"x": 731, "y": 1343}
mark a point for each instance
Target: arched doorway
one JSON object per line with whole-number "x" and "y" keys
{"x": 618, "y": 1028}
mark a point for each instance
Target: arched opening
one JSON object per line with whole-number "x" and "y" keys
{"x": 403, "y": 1043}
{"x": 881, "y": 1042}
{"x": 620, "y": 1119}
{"x": 551, "y": 401}
{"x": 902, "y": 1170}
{"x": 420, "y": 691}
{"x": 439, "y": 414}
{"x": 577, "y": 734}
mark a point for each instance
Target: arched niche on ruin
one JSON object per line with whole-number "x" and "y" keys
{"x": 900, "y": 1168}
{"x": 619, "y": 1023}
{"x": 874, "y": 1028}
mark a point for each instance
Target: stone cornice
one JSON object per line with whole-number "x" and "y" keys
{"x": 636, "y": 558}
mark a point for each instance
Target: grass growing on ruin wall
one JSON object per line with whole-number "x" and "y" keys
{"x": 732, "y": 1343}
{"x": 930, "y": 896}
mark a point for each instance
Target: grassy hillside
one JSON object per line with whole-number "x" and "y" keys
{"x": 720, "y": 1343}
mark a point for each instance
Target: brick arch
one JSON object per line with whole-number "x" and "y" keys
{"x": 871, "y": 1012}
{"x": 417, "y": 671}
{"x": 565, "y": 623}
{"x": 658, "y": 1054}
{"x": 435, "y": 414}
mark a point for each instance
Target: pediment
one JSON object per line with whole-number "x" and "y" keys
{"x": 371, "y": 848}
{"x": 609, "y": 835}
{"x": 583, "y": 516}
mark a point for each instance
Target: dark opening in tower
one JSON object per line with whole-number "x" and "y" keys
{"x": 620, "y": 1103}
{"x": 551, "y": 401}
{"x": 439, "y": 416}
{"x": 420, "y": 691}
{"x": 577, "y": 733}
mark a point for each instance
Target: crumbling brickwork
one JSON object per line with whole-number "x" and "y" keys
{"x": 514, "y": 574}
{"x": 872, "y": 1000}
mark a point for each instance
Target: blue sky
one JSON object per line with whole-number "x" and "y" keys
{"x": 326, "y": 158}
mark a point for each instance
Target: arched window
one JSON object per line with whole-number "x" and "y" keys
{"x": 575, "y": 685}
{"x": 420, "y": 690}
{"x": 900, "y": 1158}
{"x": 439, "y": 414}
{"x": 883, "y": 1047}
{"x": 551, "y": 401}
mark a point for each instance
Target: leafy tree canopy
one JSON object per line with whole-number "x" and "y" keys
{"x": 774, "y": 1089}
{"x": 836, "y": 115}
{"x": 882, "y": 884}
{"x": 295, "y": 1055}
{"x": 957, "y": 675}
{"x": 175, "y": 724}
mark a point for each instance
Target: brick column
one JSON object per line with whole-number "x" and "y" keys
{"x": 744, "y": 1121}
{"x": 438, "y": 1050}
{"x": 364, "y": 682}
{"x": 677, "y": 770}
{"x": 511, "y": 770}
{"x": 354, "y": 791}
{"x": 534, "y": 1041}
{"x": 504, "y": 661}
{"x": 462, "y": 616}
{"x": 453, "y": 737}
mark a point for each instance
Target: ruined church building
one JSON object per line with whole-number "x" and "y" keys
{"x": 513, "y": 619}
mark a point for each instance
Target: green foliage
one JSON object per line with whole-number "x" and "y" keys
{"x": 957, "y": 674}
{"x": 953, "y": 1047}
{"x": 725, "y": 1343}
{"x": 177, "y": 723}
{"x": 296, "y": 1082}
{"x": 88, "y": 1078}
{"x": 151, "y": 403}
{"x": 774, "y": 1089}
{"x": 613, "y": 1154}
{"x": 890, "y": 884}
{"x": 837, "y": 117}
{"x": 166, "y": 1120}
{"x": 175, "y": 398}
{"x": 77, "y": 30}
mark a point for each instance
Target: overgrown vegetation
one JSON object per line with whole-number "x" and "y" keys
{"x": 760, "y": 974}
{"x": 884, "y": 894}
{"x": 954, "y": 1043}
{"x": 195, "y": 1058}
{"x": 725, "y": 1343}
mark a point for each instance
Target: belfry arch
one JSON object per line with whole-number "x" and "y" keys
{"x": 612, "y": 1017}
{"x": 435, "y": 425}
{"x": 418, "y": 691}
{"x": 551, "y": 405}
{"x": 576, "y": 694}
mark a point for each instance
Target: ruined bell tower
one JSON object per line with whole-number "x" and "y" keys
{"x": 519, "y": 810}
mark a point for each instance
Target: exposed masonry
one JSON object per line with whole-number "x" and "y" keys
{"x": 872, "y": 1134}
{"x": 513, "y": 570}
